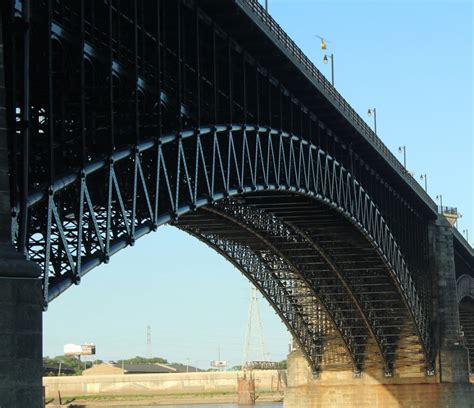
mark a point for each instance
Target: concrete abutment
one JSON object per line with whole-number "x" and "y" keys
{"x": 408, "y": 389}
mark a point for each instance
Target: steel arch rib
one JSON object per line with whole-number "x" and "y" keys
{"x": 232, "y": 259}
{"x": 350, "y": 291}
{"x": 327, "y": 181}
{"x": 255, "y": 232}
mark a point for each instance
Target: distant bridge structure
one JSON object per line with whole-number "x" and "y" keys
{"x": 121, "y": 116}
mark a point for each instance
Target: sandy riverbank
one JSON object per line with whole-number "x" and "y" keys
{"x": 148, "y": 400}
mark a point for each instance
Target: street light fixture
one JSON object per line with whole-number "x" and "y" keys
{"x": 371, "y": 112}
{"x": 439, "y": 197}
{"x": 323, "y": 42}
{"x": 425, "y": 178}
{"x": 327, "y": 57}
{"x": 466, "y": 233}
{"x": 325, "y": 61}
{"x": 404, "y": 150}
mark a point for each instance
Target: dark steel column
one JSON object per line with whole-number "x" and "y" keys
{"x": 20, "y": 296}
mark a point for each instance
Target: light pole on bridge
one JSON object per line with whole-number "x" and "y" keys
{"x": 425, "y": 178}
{"x": 325, "y": 61}
{"x": 373, "y": 112}
{"x": 326, "y": 58}
{"x": 466, "y": 233}
{"x": 404, "y": 150}
{"x": 439, "y": 197}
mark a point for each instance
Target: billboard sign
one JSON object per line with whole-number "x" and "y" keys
{"x": 87, "y": 349}
{"x": 218, "y": 364}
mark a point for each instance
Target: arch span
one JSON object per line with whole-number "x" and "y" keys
{"x": 87, "y": 216}
{"x": 465, "y": 287}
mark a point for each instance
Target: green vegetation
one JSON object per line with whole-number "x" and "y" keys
{"x": 282, "y": 365}
{"x": 143, "y": 360}
{"x": 67, "y": 364}
{"x": 235, "y": 368}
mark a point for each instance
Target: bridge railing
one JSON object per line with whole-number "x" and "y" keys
{"x": 335, "y": 96}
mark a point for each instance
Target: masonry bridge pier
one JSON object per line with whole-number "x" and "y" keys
{"x": 117, "y": 117}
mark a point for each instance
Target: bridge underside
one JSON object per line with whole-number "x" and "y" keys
{"x": 322, "y": 276}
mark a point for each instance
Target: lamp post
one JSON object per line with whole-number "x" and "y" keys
{"x": 466, "y": 233}
{"x": 404, "y": 150}
{"x": 266, "y": 5}
{"x": 425, "y": 178}
{"x": 371, "y": 112}
{"x": 326, "y": 58}
{"x": 440, "y": 198}
{"x": 325, "y": 61}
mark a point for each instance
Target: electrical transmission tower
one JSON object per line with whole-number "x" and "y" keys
{"x": 149, "y": 351}
{"x": 254, "y": 348}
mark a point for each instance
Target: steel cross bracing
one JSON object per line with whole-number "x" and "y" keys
{"x": 279, "y": 289}
{"x": 352, "y": 261}
{"x": 123, "y": 116}
{"x": 322, "y": 284}
{"x": 320, "y": 342}
{"x": 313, "y": 284}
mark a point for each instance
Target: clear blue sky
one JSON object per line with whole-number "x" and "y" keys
{"x": 413, "y": 61}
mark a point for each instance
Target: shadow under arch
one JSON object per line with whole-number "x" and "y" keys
{"x": 76, "y": 224}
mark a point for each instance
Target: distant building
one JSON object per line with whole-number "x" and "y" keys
{"x": 118, "y": 369}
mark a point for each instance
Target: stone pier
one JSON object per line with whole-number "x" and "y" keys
{"x": 20, "y": 337}
{"x": 408, "y": 387}
{"x": 20, "y": 299}
{"x": 337, "y": 389}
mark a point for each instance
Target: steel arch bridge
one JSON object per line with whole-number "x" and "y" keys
{"x": 127, "y": 115}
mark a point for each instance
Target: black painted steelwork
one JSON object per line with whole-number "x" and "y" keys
{"x": 126, "y": 115}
